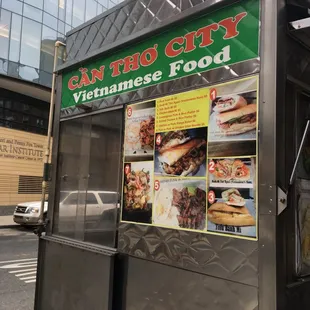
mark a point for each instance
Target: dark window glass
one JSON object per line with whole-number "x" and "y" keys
{"x": 71, "y": 200}
{"x": 5, "y": 23}
{"x": 12, "y": 5}
{"x": 15, "y": 37}
{"x": 91, "y": 199}
{"x": 90, "y": 161}
{"x": 28, "y": 73}
{"x": 33, "y": 13}
{"x": 31, "y": 42}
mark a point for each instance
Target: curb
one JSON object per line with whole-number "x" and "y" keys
{"x": 8, "y": 226}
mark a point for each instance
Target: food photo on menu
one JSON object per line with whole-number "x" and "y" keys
{"x": 181, "y": 153}
{"x": 235, "y": 172}
{"x": 232, "y": 211}
{"x": 137, "y": 192}
{"x": 180, "y": 204}
{"x": 233, "y": 117}
{"x": 139, "y": 131}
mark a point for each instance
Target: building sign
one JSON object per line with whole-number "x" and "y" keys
{"x": 190, "y": 161}
{"x": 225, "y": 37}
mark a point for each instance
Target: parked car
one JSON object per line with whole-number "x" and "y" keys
{"x": 96, "y": 203}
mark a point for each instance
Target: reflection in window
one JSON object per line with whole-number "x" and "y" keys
{"x": 49, "y": 20}
{"x": 31, "y": 41}
{"x": 69, "y": 11}
{"x": 51, "y": 6}
{"x": 91, "y": 9}
{"x": 5, "y": 22}
{"x": 28, "y": 73}
{"x": 36, "y": 3}
{"x": 15, "y": 37}
{"x": 47, "y": 49}
{"x": 61, "y": 10}
{"x": 78, "y": 13}
{"x": 12, "y": 5}
{"x": 33, "y": 13}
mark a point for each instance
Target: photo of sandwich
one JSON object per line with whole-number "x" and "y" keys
{"x": 180, "y": 204}
{"x": 233, "y": 197}
{"x": 232, "y": 170}
{"x": 222, "y": 213}
{"x": 228, "y": 103}
{"x": 233, "y": 117}
{"x": 137, "y": 192}
{"x": 232, "y": 211}
{"x": 139, "y": 131}
{"x": 182, "y": 153}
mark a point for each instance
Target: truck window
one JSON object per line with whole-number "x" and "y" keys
{"x": 108, "y": 198}
{"x": 91, "y": 199}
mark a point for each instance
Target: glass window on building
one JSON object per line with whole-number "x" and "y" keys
{"x": 15, "y": 6}
{"x": 5, "y": 22}
{"x": 49, "y": 20}
{"x": 31, "y": 42}
{"x": 91, "y": 9}
{"x": 78, "y": 17}
{"x": 37, "y": 3}
{"x": 61, "y": 9}
{"x": 33, "y": 13}
{"x": 51, "y": 6}
{"x": 68, "y": 19}
{"x": 47, "y": 49}
{"x": 15, "y": 37}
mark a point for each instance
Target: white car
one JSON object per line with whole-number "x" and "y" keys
{"x": 27, "y": 213}
{"x": 96, "y": 203}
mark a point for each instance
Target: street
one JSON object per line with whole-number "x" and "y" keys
{"x": 18, "y": 261}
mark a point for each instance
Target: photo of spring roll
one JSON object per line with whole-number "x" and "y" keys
{"x": 228, "y": 103}
{"x": 224, "y": 214}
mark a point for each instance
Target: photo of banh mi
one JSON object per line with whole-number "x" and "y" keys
{"x": 237, "y": 121}
{"x": 223, "y": 214}
{"x": 228, "y": 103}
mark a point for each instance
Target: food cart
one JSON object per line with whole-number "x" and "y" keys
{"x": 180, "y": 160}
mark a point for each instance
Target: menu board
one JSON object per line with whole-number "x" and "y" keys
{"x": 190, "y": 161}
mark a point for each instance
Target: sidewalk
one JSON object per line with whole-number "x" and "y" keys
{"x": 6, "y": 221}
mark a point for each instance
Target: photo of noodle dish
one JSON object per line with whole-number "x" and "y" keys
{"x": 180, "y": 204}
{"x": 139, "y": 132}
{"x": 137, "y": 194}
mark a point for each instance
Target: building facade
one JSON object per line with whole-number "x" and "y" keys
{"x": 28, "y": 31}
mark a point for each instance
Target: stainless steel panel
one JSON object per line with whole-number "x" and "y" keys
{"x": 227, "y": 258}
{"x": 67, "y": 283}
{"x": 159, "y": 287}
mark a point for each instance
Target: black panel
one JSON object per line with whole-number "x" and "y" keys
{"x": 152, "y": 286}
{"x": 73, "y": 278}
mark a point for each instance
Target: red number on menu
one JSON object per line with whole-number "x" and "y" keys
{"x": 211, "y": 166}
{"x": 157, "y": 185}
{"x": 213, "y": 94}
{"x": 158, "y": 139}
{"x": 211, "y": 197}
{"x": 129, "y": 111}
{"x": 127, "y": 169}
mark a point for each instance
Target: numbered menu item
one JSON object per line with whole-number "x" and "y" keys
{"x": 181, "y": 153}
{"x": 139, "y": 131}
{"x": 180, "y": 204}
{"x": 137, "y": 192}
{"x": 232, "y": 211}
{"x": 232, "y": 171}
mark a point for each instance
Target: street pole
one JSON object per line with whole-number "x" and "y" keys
{"x": 49, "y": 134}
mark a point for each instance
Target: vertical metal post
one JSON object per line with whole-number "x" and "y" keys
{"x": 49, "y": 134}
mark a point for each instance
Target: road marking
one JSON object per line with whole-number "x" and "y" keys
{"x": 17, "y": 260}
{"x": 24, "y": 269}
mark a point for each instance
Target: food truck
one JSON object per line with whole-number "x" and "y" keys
{"x": 181, "y": 137}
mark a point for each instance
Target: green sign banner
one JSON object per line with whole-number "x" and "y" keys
{"x": 225, "y": 37}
